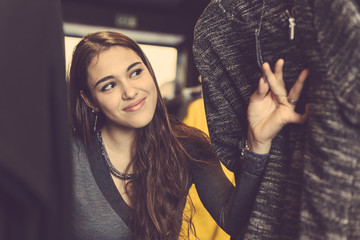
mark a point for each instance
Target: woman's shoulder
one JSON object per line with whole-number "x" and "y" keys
{"x": 78, "y": 148}
{"x": 76, "y": 142}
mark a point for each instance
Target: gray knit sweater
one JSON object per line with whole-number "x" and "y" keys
{"x": 330, "y": 34}
{"x": 326, "y": 149}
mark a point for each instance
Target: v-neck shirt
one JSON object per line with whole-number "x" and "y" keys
{"x": 99, "y": 211}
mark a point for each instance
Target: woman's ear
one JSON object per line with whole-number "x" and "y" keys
{"x": 87, "y": 100}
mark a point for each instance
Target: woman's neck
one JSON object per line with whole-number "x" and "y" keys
{"x": 118, "y": 144}
{"x": 118, "y": 141}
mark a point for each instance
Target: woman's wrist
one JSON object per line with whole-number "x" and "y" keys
{"x": 256, "y": 147}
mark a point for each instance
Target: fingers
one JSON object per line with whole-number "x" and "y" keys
{"x": 261, "y": 91}
{"x": 295, "y": 91}
{"x": 279, "y": 69}
{"x": 277, "y": 85}
{"x": 275, "y": 80}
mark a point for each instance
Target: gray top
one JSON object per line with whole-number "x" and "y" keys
{"x": 93, "y": 215}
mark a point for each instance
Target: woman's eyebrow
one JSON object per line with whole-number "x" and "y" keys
{"x": 103, "y": 80}
{"x": 132, "y": 65}
{"x": 111, "y": 76}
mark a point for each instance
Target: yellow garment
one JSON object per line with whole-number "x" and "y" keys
{"x": 206, "y": 228}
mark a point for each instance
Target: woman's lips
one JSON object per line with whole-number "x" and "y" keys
{"x": 133, "y": 107}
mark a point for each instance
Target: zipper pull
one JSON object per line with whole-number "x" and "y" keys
{"x": 291, "y": 25}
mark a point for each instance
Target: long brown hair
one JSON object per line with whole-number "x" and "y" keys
{"x": 159, "y": 159}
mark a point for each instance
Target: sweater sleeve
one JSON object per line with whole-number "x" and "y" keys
{"x": 226, "y": 125}
{"x": 225, "y": 96}
{"x": 229, "y": 206}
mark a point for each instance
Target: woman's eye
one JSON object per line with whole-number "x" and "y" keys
{"x": 108, "y": 86}
{"x": 136, "y": 73}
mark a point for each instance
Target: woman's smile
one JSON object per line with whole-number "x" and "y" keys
{"x": 137, "y": 105}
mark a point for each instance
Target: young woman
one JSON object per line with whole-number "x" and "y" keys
{"x": 134, "y": 164}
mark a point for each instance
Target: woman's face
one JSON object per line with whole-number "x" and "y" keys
{"x": 122, "y": 88}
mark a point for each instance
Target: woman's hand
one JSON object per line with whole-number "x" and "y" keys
{"x": 270, "y": 111}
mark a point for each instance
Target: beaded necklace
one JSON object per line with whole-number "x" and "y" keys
{"x": 109, "y": 165}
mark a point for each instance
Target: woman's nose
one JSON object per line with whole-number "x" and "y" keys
{"x": 129, "y": 91}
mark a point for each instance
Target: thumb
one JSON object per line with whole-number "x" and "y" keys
{"x": 300, "y": 118}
